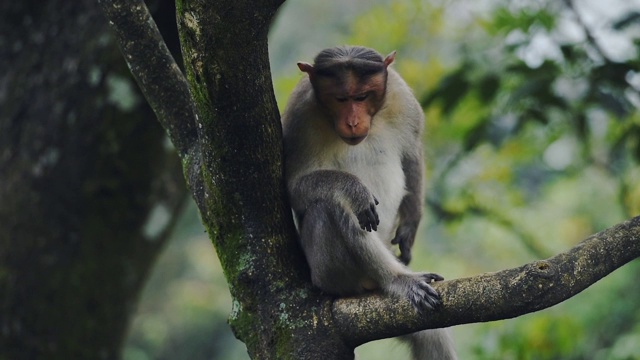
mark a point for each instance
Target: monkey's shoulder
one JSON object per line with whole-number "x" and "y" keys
{"x": 401, "y": 108}
{"x": 301, "y": 101}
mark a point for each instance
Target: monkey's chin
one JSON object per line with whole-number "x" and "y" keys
{"x": 353, "y": 140}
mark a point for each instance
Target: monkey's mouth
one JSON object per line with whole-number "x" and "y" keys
{"x": 353, "y": 140}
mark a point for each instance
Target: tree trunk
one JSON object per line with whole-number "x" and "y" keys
{"x": 88, "y": 187}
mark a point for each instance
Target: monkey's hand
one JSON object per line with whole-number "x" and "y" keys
{"x": 405, "y": 237}
{"x": 415, "y": 287}
{"x": 368, "y": 216}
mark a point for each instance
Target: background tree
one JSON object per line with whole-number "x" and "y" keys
{"x": 49, "y": 266}
{"x": 88, "y": 186}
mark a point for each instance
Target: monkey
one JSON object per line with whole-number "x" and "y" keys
{"x": 354, "y": 168}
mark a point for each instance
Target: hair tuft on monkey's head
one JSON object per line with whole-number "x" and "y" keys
{"x": 361, "y": 60}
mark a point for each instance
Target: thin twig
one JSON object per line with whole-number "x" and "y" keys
{"x": 154, "y": 68}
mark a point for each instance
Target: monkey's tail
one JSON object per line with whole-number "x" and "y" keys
{"x": 436, "y": 344}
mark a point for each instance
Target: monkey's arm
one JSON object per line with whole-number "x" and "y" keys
{"x": 341, "y": 188}
{"x": 410, "y": 210}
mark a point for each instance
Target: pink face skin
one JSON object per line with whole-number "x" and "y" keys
{"x": 351, "y": 101}
{"x": 352, "y": 104}
{"x": 352, "y": 118}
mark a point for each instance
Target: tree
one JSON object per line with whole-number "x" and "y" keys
{"x": 91, "y": 246}
{"x": 227, "y": 133}
{"x": 88, "y": 187}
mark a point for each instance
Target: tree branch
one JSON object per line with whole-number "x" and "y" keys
{"x": 159, "y": 77}
{"x": 591, "y": 39}
{"x": 495, "y": 296}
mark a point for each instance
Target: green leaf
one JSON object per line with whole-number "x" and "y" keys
{"x": 450, "y": 91}
{"x": 476, "y": 135}
{"x": 488, "y": 87}
{"x": 506, "y": 20}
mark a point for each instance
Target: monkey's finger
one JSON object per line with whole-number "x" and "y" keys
{"x": 405, "y": 257}
{"x": 365, "y": 226}
{"x": 361, "y": 221}
{"x": 376, "y": 218}
{"x": 368, "y": 226}
{"x": 372, "y": 221}
{"x": 399, "y": 239}
{"x": 368, "y": 219}
{"x": 364, "y": 219}
{"x": 405, "y": 253}
{"x": 405, "y": 247}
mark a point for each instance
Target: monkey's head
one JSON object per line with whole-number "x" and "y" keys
{"x": 350, "y": 84}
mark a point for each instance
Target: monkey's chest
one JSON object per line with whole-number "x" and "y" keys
{"x": 380, "y": 170}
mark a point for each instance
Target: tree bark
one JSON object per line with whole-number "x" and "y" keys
{"x": 88, "y": 190}
{"x": 234, "y": 169}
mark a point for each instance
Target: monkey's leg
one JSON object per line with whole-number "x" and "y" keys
{"x": 382, "y": 267}
{"x": 346, "y": 260}
{"x": 334, "y": 269}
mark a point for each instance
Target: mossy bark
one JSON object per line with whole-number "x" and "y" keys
{"x": 243, "y": 205}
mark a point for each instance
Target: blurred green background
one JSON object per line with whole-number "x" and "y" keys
{"x": 532, "y": 144}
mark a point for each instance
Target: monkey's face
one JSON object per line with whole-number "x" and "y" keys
{"x": 351, "y": 102}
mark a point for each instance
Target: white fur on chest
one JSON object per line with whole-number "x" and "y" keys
{"x": 377, "y": 162}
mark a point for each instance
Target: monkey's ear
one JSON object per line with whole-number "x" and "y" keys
{"x": 305, "y": 67}
{"x": 389, "y": 59}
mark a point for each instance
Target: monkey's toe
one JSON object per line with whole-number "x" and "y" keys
{"x": 430, "y": 277}
{"x": 430, "y": 298}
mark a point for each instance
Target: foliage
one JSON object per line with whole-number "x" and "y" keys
{"x": 531, "y": 140}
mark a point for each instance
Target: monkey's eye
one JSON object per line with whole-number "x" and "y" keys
{"x": 361, "y": 98}
{"x": 341, "y": 99}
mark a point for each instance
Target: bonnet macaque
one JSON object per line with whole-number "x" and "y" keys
{"x": 354, "y": 170}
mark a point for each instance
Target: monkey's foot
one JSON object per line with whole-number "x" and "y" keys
{"x": 416, "y": 288}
